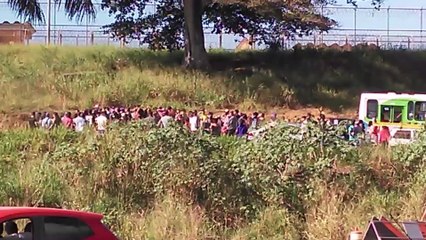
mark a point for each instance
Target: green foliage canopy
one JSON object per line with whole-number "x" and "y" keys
{"x": 267, "y": 21}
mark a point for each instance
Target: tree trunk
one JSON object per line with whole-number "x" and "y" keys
{"x": 195, "y": 51}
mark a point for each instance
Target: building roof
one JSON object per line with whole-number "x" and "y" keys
{"x": 18, "y": 26}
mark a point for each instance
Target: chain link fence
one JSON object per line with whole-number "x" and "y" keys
{"x": 390, "y": 28}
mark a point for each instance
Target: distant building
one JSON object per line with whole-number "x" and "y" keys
{"x": 16, "y": 33}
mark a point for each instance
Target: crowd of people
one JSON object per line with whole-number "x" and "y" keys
{"x": 368, "y": 132}
{"x": 356, "y": 132}
{"x": 229, "y": 122}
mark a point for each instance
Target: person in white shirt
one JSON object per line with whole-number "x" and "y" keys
{"x": 193, "y": 122}
{"x": 88, "y": 116}
{"x": 304, "y": 125}
{"x": 101, "y": 123}
{"x": 47, "y": 122}
{"x": 273, "y": 121}
{"x": 79, "y": 122}
{"x": 165, "y": 120}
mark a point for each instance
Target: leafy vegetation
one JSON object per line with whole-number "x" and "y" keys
{"x": 167, "y": 183}
{"x": 266, "y": 20}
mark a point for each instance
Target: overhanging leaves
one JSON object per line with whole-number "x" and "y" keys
{"x": 29, "y": 9}
{"x": 268, "y": 21}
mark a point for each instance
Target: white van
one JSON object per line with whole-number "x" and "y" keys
{"x": 402, "y": 136}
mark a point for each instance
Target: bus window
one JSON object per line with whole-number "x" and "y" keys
{"x": 372, "y": 108}
{"x": 397, "y": 114}
{"x": 385, "y": 114}
{"x": 420, "y": 111}
{"x": 410, "y": 110}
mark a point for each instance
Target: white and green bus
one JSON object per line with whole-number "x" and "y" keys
{"x": 402, "y": 111}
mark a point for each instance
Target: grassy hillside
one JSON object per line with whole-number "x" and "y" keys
{"x": 40, "y": 78}
{"x": 169, "y": 184}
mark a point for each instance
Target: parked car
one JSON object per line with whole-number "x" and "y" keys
{"x": 402, "y": 136}
{"x": 52, "y": 224}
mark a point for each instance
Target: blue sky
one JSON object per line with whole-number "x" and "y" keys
{"x": 401, "y": 22}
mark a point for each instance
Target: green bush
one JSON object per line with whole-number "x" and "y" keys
{"x": 277, "y": 186}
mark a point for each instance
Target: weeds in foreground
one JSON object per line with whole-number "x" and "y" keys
{"x": 170, "y": 184}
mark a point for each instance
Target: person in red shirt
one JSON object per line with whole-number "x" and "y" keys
{"x": 373, "y": 131}
{"x": 384, "y": 136}
{"x": 67, "y": 121}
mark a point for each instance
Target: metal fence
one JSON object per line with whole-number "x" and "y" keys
{"x": 387, "y": 28}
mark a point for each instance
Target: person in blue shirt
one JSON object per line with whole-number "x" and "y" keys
{"x": 242, "y": 127}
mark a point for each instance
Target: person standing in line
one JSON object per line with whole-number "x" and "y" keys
{"x": 165, "y": 120}
{"x": 232, "y": 124}
{"x": 149, "y": 117}
{"x": 46, "y": 122}
{"x": 39, "y": 117}
{"x": 304, "y": 125}
{"x": 372, "y": 132}
{"x": 56, "y": 120}
{"x": 261, "y": 119}
{"x": 67, "y": 120}
{"x": 254, "y": 123}
{"x": 274, "y": 120}
{"x": 88, "y": 116}
{"x": 101, "y": 123}
{"x": 242, "y": 128}
{"x": 193, "y": 122}
{"x": 79, "y": 122}
{"x": 384, "y": 136}
{"x": 32, "y": 122}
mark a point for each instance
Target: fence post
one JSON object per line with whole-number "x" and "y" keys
{"x": 355, "y": 20}
{"x": 315, "y": 39}
{"x": 59, "y": 36}
{"x": 92, "y": 38}
{"x": 421, "y": 27}
{"x": 220, "y": 40}
{"x": 408, "y": 43}
{"x": 76, "y": 40}
{"x": 322, "y": 33}
{"x": 388, "y": 27}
